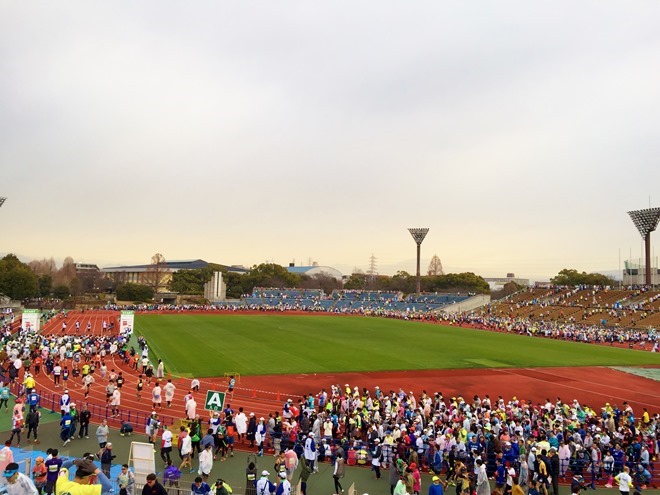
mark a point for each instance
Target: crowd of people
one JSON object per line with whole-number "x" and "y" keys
{"x": 536, "y": 445}
{"x": 511, "y": 442}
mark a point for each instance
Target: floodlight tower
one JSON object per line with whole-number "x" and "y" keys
{"x": 418, "y": 234}
{"x": 2, "y": 201}
{"x": 646, "y": 221}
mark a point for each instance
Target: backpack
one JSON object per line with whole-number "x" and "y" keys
{"x": 32, "y": 418}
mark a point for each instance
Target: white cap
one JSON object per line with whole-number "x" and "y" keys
{"x": 282, "y": 475}
{"x": 264, "y": 473}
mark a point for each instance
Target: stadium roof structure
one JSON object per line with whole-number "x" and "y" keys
{"x": 173, "y": 266}
{"x": 315, "y": 270}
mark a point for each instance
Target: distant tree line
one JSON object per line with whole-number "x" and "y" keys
{"x": 44, "y": 279}
{"x": 272, "y": 275}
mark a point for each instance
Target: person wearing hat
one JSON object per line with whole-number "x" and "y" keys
{"x": 260, "y": 436}
{"x": 18, "y": 483}
{"x": 437, "y": 486}
{"x": 284, "y": 488}
{"x": 286, "y": 409}
{"x": 531, "y": 462}
{"x": 33, "y": 399}
{"x": 222, "y": 487}
{"x": 290, "y": 462}
{"x": 65, "y": 402}
{"x": 85, "y": 466}
{"x": 65, "y": 426}
{"x": 106, "y": 457}
{"x": 577, "y": 484}
{"x": 376, "y": 453}
{"x": 17, "y": 424}
{"x": 74, "y": 420}
{"x": 264, "y": 485}
{"x": 39, "y": 473}
{"x": 251, "y": 429}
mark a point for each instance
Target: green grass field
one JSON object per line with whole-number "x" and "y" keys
{"x": 210, "y": 345}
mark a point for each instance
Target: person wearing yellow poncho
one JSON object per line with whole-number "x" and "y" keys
{"x": 65, "y": 486}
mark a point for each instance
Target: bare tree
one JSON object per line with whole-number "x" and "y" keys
{"x": 435, "y": 266}
{"x": 158, "y": 274}
{"x": 43, "y": 266}
{"x": 66, "y": 274}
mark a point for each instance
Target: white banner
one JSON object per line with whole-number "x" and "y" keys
{"x": 31, "y": 320}
{"x": 126, "y": 321}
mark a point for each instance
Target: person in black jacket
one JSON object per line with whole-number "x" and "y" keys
{"x": 152, "y": 486}
{"x": 553, "y": 457}
{"x": 32, "y": 422}
{"x": 106, "y": 459}
{"x": 85, "y": 417}
{"x": 376, "y": 456}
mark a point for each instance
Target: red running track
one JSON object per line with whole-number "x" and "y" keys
{"x": 592, "y": 386}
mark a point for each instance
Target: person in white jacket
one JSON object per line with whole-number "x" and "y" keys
{"x": 206, "y": 462}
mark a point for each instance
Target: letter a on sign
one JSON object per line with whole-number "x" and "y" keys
{"x": 214, "y": 401}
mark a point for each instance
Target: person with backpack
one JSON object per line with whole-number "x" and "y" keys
{"x": 337, "y": 473}
{"x": 264, "y": 485}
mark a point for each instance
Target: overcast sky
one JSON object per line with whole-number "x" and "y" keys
{"x": 519, "y": 132}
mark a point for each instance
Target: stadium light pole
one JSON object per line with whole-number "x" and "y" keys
{"x": 418, "y": 234}
{"x": 646, "y": 222}
{"x": 2, "y": 201}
